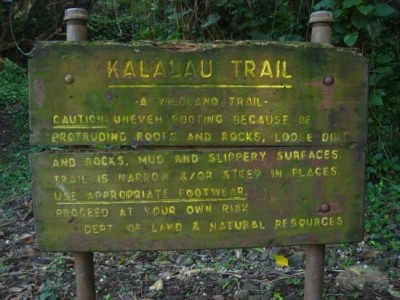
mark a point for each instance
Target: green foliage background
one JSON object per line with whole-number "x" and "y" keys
{"x": 14, "y": 167}
{"x": 370, "y": 26}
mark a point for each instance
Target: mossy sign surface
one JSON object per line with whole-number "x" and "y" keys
{"x": 252, "y": 144}
{"x": 244, "y": 94}
{"x": 179, "y": 199}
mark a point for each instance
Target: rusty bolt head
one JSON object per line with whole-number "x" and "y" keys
{"x": 328, "y": 80}
{"x": 325, "y": 208}
{"x": 69, "y": 79}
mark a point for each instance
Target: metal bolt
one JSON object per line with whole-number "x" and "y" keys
{"x": 69, "y": 79}
{"x": 325, "y": 208}
{"x": 328, "y": 80}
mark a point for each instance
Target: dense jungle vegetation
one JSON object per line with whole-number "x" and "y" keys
{"x": 372, "y": 27}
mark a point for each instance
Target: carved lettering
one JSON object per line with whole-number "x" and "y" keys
{"x": 83, "y": 212}
{"x": 165, "y": 227}
{"x": 250, "y": 68}
{"x": 309, "y": 222}
{"x": 97, "y": 228}
{"x": 242, "y": 225}
{"x": 64, "y": 163}
{"x": 141, "y": 68}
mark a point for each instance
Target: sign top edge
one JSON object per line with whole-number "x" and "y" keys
{"x": 188, "y": 46}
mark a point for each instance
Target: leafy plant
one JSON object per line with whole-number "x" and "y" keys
{"x": 48, "y": 291}
{"x": 237, "y": 19}
{"x": 229, "y": 282}
{"x": 132, "y": 20}
{"x": 14, "y": 83}
{"x": 14, "y": 96}
{"x": 383, "y": 216}
{"x": 277, "y": 296}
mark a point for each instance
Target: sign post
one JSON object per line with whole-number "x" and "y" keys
{"x": 222, "y": 145}
{"x": 76, "y": 19}
{"x": 321, "y": 23}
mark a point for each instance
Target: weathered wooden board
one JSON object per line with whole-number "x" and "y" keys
{"x": 188, "y": 199}
{"x": 238, "y": 94}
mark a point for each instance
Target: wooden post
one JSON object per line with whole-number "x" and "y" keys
{"x": 314, "y": 275}
{"x": 321, "y": 22}
{"x": 84, "y": 276}
{"x": 321, "y": 31}
{"x": 76, "y": 19}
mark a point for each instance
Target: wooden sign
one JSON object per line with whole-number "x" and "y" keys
{"x": 279, "y": 131}
{"x": 227, "y": 94}
{"x": 188, "y": 199}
